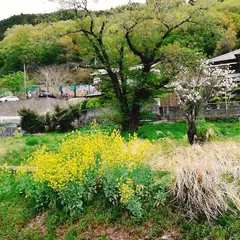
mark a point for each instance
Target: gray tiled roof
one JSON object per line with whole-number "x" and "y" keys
{"x": 225, "y": 57}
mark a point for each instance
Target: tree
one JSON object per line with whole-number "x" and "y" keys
{"x": 127, "y": 39}
{"x": 79, "y": 76}
{"x": 13, "y": 82}
{"x": 52, "y": 77}
{"x": 195, "y": 86}
{"x": 36, "y": 45}
{"x": 31, "y": 122}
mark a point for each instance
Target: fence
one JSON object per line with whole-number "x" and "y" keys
{"x": 223, "y": 109}
{"x": 212, "y": 109}
{"x": 7, "y": 131}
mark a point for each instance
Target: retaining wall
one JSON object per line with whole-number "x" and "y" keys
{"x": 40, "y": 105}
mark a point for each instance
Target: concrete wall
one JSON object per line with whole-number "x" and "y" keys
{"x": 40, "y": 105}
{"x": 9, "y": 110}
{"x": 102, "y": 115}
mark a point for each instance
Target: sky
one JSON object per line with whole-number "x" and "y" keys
{"x": 15, "y": 7}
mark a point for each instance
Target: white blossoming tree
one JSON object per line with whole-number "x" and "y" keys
{"x": 196, "y": 86}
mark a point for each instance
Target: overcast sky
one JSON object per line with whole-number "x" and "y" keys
{"x": 14, "y": 7}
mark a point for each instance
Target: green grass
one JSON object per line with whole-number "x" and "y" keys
{"x": 155, "y": 131}
{"x": 13, "y": 151}
{"x": 15, "y": 211}
{"x": 228, "y": 129}
{"x": 178, "y": 130}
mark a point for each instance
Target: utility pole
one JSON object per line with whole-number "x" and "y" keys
{"x": 25, "y": 81}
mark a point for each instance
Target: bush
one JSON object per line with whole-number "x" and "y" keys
{"x": 147, "y": 115}
{"x": 86, "y": 165}
{"x": 21, "y": 183}
{"x": 31, "y": 122}
{"x": 93, "y": 103}
{"x": 63, "y": 118}
{"x": 31, "y": 141}
{"x": 205, "y": 131}
{"x": 51, "y": 123}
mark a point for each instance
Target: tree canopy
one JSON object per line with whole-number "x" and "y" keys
{"x": 13, "y": 82}
{"x": 36, "y": 45}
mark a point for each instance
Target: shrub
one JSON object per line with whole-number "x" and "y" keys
{"x": 93, "y": 103}
{"x": 31, "y": 122}
{"x": 39, "y": 193}
{"x": 63, "y": 118}
{"x": 21, "y": 183}
{"x": 84, "y": 104}
{"x": 86, "y": 165}
{"x": 206, "y": 178}
{"x": 147, "y": 115}
{"x": 205, "y": 131}
{"x": 31, "y": 141}
{"x": 51, "y": 123}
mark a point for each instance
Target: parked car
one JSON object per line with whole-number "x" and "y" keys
{"x": 46, "y": 94}
{"x": 9, "y": 99}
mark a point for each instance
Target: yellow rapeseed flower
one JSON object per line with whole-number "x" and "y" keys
{"x": 78, "y": 153}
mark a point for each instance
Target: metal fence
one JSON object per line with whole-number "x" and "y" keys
{"x": 7, "y": 131}
{"x": 224, "y": 109}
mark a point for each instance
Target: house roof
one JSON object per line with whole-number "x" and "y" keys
{"x": 225, "y": 57}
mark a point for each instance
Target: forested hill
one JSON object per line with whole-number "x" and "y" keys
{"x": 34, "y": 19}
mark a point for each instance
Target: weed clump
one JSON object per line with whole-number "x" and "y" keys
{"x": 31, "y": 141}
{"x": 201, "y": 186}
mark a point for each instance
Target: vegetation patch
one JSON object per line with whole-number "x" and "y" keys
{"x": 127, "y": 187}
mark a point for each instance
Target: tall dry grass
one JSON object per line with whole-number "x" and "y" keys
{"x": 206, "y": 178}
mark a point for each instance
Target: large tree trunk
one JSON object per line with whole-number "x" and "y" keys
{"x": 192, "y": 129}
{"x": 131, "y": 119}
{"x": 134, "y": 118}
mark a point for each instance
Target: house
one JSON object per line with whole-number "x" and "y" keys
{"x": 231, "y": 59}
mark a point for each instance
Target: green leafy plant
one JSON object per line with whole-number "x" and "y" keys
{"x": 205, "y": 131}
{"x": 31, "y": 141}
{"x": 93, "y": 103}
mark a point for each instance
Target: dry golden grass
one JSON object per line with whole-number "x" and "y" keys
{"x": 206, "y": 178}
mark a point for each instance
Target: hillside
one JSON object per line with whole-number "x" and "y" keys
{"x": 61, "y": 15}
{"x": 34, "y": 19}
